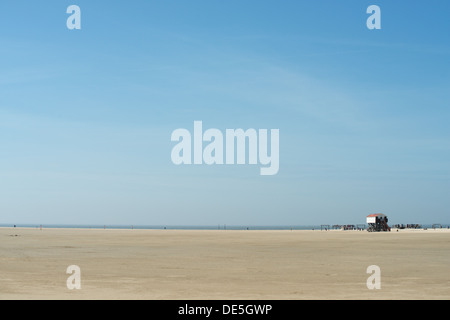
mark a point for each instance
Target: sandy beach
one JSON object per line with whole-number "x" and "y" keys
{"x": 223, "y": 264}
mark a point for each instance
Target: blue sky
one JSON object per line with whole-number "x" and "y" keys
{"x": 86, "y": 115}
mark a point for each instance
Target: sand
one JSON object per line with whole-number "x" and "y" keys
{"x": 223, "y": 264}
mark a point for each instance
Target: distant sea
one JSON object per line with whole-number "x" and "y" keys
{"x": 185, "y": 227}
{"x": 161, "y": 227}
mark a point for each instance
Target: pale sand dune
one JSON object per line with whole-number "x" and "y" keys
{"x": 223, "y": 264}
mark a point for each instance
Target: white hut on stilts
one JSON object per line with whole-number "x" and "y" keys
{"x": 377, "y": 222}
